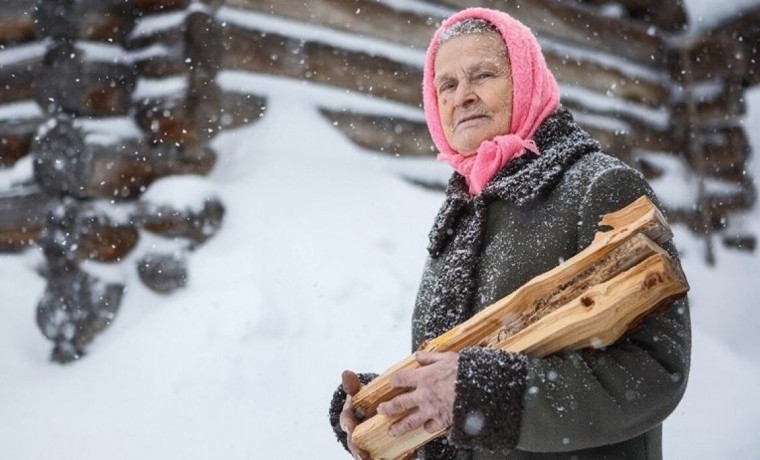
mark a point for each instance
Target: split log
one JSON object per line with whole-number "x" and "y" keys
{"x": 590, "y": 300}
{"x": 82, "y": 79}
{"x": 97, "y": 20}
{"x": 16, "y": 22}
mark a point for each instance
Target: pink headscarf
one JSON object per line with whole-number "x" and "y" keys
{"x": 535, "y": 97}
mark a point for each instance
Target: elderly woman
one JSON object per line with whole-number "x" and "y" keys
{"x": 528, "y": 189}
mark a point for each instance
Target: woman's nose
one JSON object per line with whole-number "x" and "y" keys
{"x": 464, "y": 95}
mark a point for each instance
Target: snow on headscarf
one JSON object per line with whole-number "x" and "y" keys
{"x": 535, "y": 97}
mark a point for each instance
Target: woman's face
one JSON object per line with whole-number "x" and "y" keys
{"x": 473, "y": 82}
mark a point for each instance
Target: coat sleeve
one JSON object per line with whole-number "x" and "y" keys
{"x": 590, "y": 398}
{"x": 336, "y": 407}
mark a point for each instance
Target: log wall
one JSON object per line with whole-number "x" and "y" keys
{"x": 63, "y": 62}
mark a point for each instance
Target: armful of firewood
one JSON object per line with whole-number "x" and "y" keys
{"x": 590, "y": 300}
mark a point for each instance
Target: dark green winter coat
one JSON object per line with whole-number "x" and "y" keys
{"x": 589, "y": 404}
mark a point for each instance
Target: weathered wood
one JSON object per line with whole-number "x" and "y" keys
{"x": 16, "y": 21}
{"x": 16, "y": 139}
{"x": 606, "y": 80}
{"x": 276, "y": 54}
{"x": 74, "y": 308}
{"x": 388, "y": 134}
{"x": 670, "y": 16}
{"x": 70, "y": 159}
{"x": 195, "y": 226}
{"x": 717, "y": 102}
{"x": 570, "y": 21}
{"x": 183, "y": 119}
{"x": 195, "y": 45}
{"x": 711, "y": 56}
{"x": 590, "y": 300}
{"x": 365, "y": 17}
{"x": 22, "y": 216}
{"x": 72, "y": 83}
{"x": 19, "y": 67}
{"x": 744, "y": 30}
{"x": 158, "y": 6}
{"x": 97, "y": 20}
{"x": 163, "y": 272}
{"x": 598, "y": 317}
{"x": 638, "y": 217}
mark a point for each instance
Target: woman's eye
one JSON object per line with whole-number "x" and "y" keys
{"x": 446, "y": 87}
{"x": 484, "y": 75}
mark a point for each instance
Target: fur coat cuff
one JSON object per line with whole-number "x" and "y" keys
{"x": 336, "y": 407}
{"x": 489, "y": 399}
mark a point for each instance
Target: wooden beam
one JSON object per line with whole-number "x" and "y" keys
{"x": 387, "y": 134}
{"x": 19, "y": 67}
{"x": 582, "y": 25}
{"x": 275, "y": 54}
{"x": 93, "y": 20}
{"x": 22, "y": 215}
{"x": 17, "y": 22}
{"x": 16, "y": 139}
{"x": 364, "y": 17}
{"x": 670, "y": 16}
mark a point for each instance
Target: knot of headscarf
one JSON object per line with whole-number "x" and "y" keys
{"x": 535, "y": 97}
{"x": 492, "y": 156}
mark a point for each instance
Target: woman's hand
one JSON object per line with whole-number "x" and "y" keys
{"x": 430, "y": 399}
{"x": 348, "y": 418}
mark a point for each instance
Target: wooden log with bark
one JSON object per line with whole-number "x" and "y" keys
{"x": 22, "y": 216}
{"x": 276, "y": 54}
{"x": 590, "y": 300}
{"x": 194, "y": 45}
{"x": 16, "y": 21}
{"x": 16, "y": 135}
{"x": 670, "y": 16}
{"x": 388, "y": 134}
{"x": 19, "y": 67}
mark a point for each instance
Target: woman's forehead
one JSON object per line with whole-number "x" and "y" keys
{"x": 468, "y": 50}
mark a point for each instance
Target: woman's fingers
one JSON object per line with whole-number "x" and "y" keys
{"x": 351, "y": 383}
{"x": 397, "y": 405}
